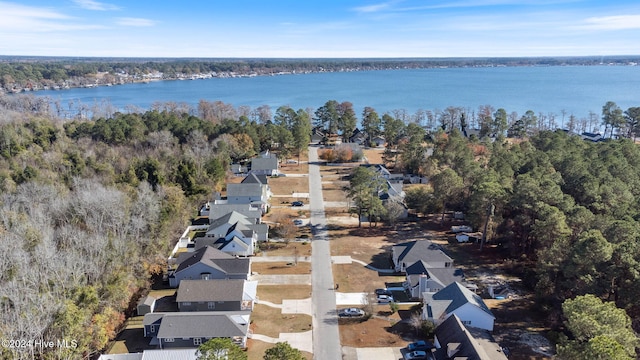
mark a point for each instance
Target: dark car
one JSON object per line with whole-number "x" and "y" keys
{"x": 383, "y": 292}
{"x": 297, "y": 203}
{"x": 420, "y": 346}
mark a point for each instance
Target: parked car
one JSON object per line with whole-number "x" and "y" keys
{"x": 383, "y": 299}
{"x": 414, "y": 355}
{"x": 298, "y": 222}
{"x": 297, "y": 203}
{"x": 351, "y": 312}
{"x": 420, "y": 346}
{"x": 383, "y": 292}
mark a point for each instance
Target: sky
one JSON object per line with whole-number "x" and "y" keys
{"x": 319, "y": 29}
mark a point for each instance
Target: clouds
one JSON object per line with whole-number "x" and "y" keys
{"x": 95, "y": 5}
{"x": 135, "y": 22}
{"x": 339, "y": 28}
{"x": 616, "y": 22}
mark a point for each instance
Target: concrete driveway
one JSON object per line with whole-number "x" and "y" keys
{"x": 376, "y": 353}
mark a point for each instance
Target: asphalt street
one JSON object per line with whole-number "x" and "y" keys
{"x": 326, "y": 337}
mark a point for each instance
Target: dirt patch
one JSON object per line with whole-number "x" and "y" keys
{"x": 374, "y": 156}
{"x": 271, "y": 322}
{"x": 374, "y": 332}
{"x": 276, "y": 294}
{"x": 356, "y": 278}
{"x": 288, "y": 185}
{"x": 281, "y": 268}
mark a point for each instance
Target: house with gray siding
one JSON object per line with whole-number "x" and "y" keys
{"x": 191, "y": 329}
{"x": 406, "y": 254}
{"x": 209, "y": 263}
{"x": 265, "y": 164}
{"x": 216, "y": 295}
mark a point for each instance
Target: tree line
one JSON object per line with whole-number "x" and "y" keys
{"x": 565, "y": 210}
{"x": 35, "y": 73}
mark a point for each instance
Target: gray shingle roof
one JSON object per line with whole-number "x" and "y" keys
{"x": 204, "y": 324}
{"x": 210, "y": 290}
{"x": 459, "y": 295}
{"x": 417, "y": 250}
{"x": 465, "y": 343}
{"x": 216, "y": 259}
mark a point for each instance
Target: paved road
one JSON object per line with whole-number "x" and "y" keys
{"x": 326, "y": 337}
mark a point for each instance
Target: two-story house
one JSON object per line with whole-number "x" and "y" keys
{"x": 216, "y": 295}
{"x": 209, "y": 263}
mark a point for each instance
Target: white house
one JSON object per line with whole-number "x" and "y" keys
{"x": 457, "y": 299}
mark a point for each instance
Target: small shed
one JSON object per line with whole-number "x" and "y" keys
{"x": 146, "y": 305}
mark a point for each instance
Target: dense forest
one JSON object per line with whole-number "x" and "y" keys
{"x": 35, "y": 73}
{"x": 90, "y": 208}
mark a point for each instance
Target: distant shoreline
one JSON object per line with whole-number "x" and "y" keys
{"x": 23, "y": 74}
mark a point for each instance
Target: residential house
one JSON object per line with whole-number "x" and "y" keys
{"x": 358, "y": 137}
{"x": 231, "y": 233}
{"x": 454, "y": 340}
{"x": 172, "y": 354}
{"x": 334, "y": 139}
{"x": 317, "y": 135}
{"x": 591, "y": 137}
{"x": 421, "y": 278}
{"x": 252, "y": 190}
{"x": 216, "y": 211}
{"x": 457, "y": 299}
{"x": 406, "y": 254}
{"x": 209, "y": 263}
{"x": 216, "y": 295}
{"x": 265, "y": 164}
{"x": 378, "y": 141}
{"x": 191, "y": 329}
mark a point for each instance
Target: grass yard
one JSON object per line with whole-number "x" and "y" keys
{"x": 282, "y": 249}
{"x": 356, "y": 278}
{"x": 288, "y": 185}
{"x": 277, "y": 293}
{"x": 281, "y": 268}
{"x": 374, "y": 332}
{"x": 271, "y": 322}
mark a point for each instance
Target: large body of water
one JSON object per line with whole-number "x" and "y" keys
{"x": 575, "y": 90}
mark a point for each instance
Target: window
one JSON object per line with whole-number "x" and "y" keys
{"x": 169, "y": 340}
{"x": 152, "y": 328}
{"x": 466, "y": 323}
{"x": 197, "y": 341}
{"x": 211, "y": 305}
{"x": 186, "y": 303}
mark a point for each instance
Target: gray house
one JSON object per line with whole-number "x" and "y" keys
{"x": 191, "y": 329}
{"x": 216, "y": 295}
{"x": 209, "y": 263}
{"x": 406, "y": 254}
{"x": 265, "y": 164}
{"x": 421, "y": 278}
{"x": 453, "y": 340}
{"x": 215, "y": 211}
